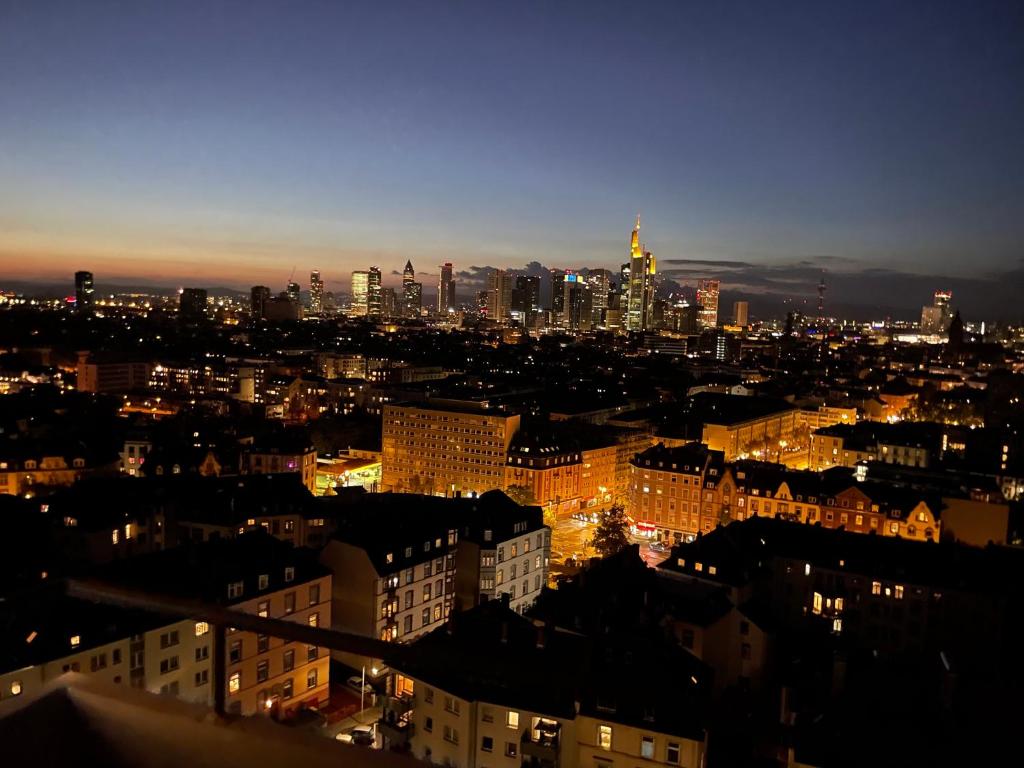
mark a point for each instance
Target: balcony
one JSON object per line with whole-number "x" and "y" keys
{"x": 395, "y": 724}
{"x": 539, "y": 746}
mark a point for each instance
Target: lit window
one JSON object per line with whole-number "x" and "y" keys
{"x": 264, "y": 580}
{"x": 263, "y": 608}
{"x": 837, "y": 625}
{"x": 202, "y": 628}
{"x": 314, "y": 620}
{"x": 698, "y": 566}
{"x": 817, "y": 603}
{"x": 604, "y": 737}
{"x": 876, "y": 588}
{"x": 512, "y": 719}
{"x": 115, "y": 536}
{"x": 899, "y": 592}
{"x": 807, "y": 569}
{"x": 234, "y": 682}
{"x": 76, "y": 640}
{"x": 15, "y": 687}
{"x": 712, "y": 570}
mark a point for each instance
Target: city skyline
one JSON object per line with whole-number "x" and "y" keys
{"x": 881, "y": 158}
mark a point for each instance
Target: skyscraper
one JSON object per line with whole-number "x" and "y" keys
{"x": 529, "y": 285}
{"x": 445, "y": 290}
{"x": 316, "y": 292}
{"x": 600, "y": 282}
{"x": 192, "y": 303}
{"x": 374, "y": 300}
{"x": 499, "y": 295}
{"x": 258, "y": 298}
{"x": 360, "y": 293}
{"x": 641, "y": 284}
{"x": 83, "y": 293}
{"x": 578, "y": 309}
{"x": 293, "y": 292}
{"x": 412, "y": 292}
{"x": 739, "y": 313}
{"x": 935, "y": 319}
{"x": 707, "y": 297}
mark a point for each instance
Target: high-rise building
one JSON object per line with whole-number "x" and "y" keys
{"x": 600, "y": 282}
{"x": 374, "y": 300}
{"x": 389, "y": 302}
{"x": 739, "y": 313}
{"x": 316, "y": 292}
{"x": 192, "y": 303}
{"x": 707, "y": 297}
{"x": 83, "y": 293}
{"x": 412, "y": 292}
{"x": 578, "y": 308}
{"x": 360, "y": 293}
{"x": 642, "y": 269}
{"x": 258, "y": 298}
{"x": 293, "y": 292}
{"x": 936, "y": 318}
{"x": 445, "y": 290}
{"x": 529, "y": 286}
{"x": 499, "y": 295}
{"x": 557, "y": 294}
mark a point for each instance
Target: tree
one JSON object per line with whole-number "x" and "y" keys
{"x": 612, "y": 533}
{"x": 521, "y": 494}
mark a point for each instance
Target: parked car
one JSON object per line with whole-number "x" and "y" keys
{"x": 356, "y": 683}
{"x": 361, "y": 735}
{"x": 656, "y": 546}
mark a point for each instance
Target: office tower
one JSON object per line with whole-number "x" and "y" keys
{"x": 258, "y": 298}
{"x": 499, "y": 295}
{"x": 389, "y": 302}
{"x": 412, "y": 292}
{"x": 557, "y": 294}
{"x": 578, "y": 308}
{"x": 316, "y": 292}
{"x": 600, "y": 282}
{"x": 293, "y": 292}
{"x": 613, "y": 314}
{"x": 445, "y": 290}
{"x": 624, "y": 283}
{"x": 936, "y": 318}
{"x": 192, "y": 303}
{"x": 529, "y": 288}
{"x": 739, "y": 313}
{"x": 374, "y": 300}
{"x": 641, "y": 284}
{"x": 83, "y": 293}
{"x": 360, "y": 293}
{"x": 423, "y": 450}
{"x": 707, "y": 297}
{"x": 689, "y": 318}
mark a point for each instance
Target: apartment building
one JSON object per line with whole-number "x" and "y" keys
{"x": 667, "y": 491}
{"x": 402, "y": 563}
{"x": 258, "y": 574}
{"x": 548, "y": 466}
{"x": 884, "y": 594}
{"x": 495, "y": 689}
{"x": 503, "y": 553}
{"x": 445, "y": 449}
{"x": 283, "y": 453}
{"x": 740, "y": 426}
{"x": 910, "y": 444}
{"x": 48, "y": 633}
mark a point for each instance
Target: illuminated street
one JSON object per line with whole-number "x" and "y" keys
{"x": 570, "y": 536}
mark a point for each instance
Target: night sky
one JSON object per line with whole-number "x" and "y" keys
{"x": 227, "y": 143}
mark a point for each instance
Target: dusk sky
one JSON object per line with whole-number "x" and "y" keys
{"x": 226, "y": 143}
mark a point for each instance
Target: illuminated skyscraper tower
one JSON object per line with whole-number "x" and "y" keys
{"x": 707, "y": 298}
{"x": 641, "y": 284}
{"x": 83, "y": 293}
{"x": 316, "y": 292}
{"x": 445, "y": 290}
